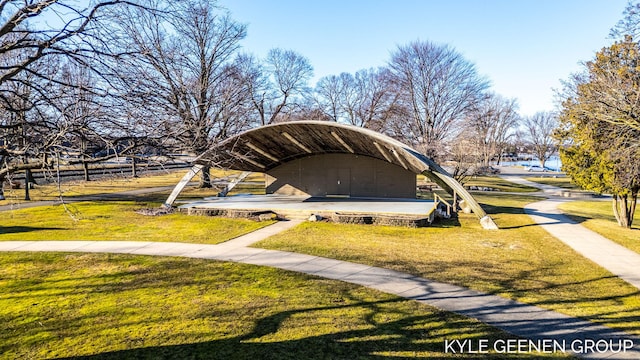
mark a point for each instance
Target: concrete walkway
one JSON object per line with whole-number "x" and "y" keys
{"x": 526, "y": 321}
{"x": 619, "y": 260}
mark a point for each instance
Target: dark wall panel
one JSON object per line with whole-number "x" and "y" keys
{"x": 342, "y": 175}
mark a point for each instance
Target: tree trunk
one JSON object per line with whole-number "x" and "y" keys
{"x": 623, "y": 209}
{"x": 486, "y": 159}
{"x": 632, "y": 207}
{"x": 27, "y": 185}
{"x": 616, "y": 210}
{"x": 28, "y": 174}
{"x": 205, "y": 178}
{"x": 134, "y": 168}
{"x": 85, "y": 168}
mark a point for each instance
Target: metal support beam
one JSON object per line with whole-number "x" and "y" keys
{"x": 250, "y": 161}
{"x": 344, "y": 144}
{"x": 398, "y": 156}
{"x": 296, "y": 142}
{"x": 451, "y": 186}
{"x": 262, "y": 152}
{"x": 384, "y": 153}
{"x": 233, "y": 183}
{"x": 181, "y": 185}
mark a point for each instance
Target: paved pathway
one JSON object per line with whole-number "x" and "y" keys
{"x": 619, "y": 260}
{"x": 523, "y": 320}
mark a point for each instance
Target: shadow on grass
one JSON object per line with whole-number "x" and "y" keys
{"x": 384, "y": 334}
{"x": 550, "y": 218}
{"x": 408, "y": 337}
{"x": 493, "y": 210}
{"x": 452, "y": 222}
{"x": 23, "y": 229}
{"x": 560, "y": 294}
{"x": 612, "y": 219}
{"x": 150, "y": 197}
{"x": 562, "y": 218}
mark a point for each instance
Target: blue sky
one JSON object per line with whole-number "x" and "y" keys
{"x": 524, "y": 47}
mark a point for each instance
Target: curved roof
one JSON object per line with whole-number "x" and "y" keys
{"x": 264, "y": 148}
{"x": 267, "y": 147}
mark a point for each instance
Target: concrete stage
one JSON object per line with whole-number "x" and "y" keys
{"x": 291, "y": 206}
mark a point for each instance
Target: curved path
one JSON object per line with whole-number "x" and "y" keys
{"x": 526, "y": 321}
{"x": 619, "y": 260}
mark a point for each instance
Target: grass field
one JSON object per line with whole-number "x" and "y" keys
{"x": 117, "y": 306}
{"x": 103, "y": 186}
{"x": 561, "y": 182}
{"x": 520, "y": 261}
{"x": 499, "y": 184}
{"x": 113, "y": 184}
{"x": 118, "y": 220}
{"x": 98, "y": 306}
{"x": 598, "y": 216}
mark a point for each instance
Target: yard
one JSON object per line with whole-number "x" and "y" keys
{"x": 120, "y": 306}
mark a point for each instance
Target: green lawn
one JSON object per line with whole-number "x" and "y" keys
{"x": 103, "y": 186}
{"x": 100, "y": 306}
{"x": 561, "y": 182}
{"x": 498, "y": 184}
{"x": 63, "y": 305}
{"x": 521, "y": 261}
{"x": 118, "y": 221}
{"x": 598, "y": 216}
{"x": 114, "y": 184}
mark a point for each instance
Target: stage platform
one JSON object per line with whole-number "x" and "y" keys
{"x": 299, "y": 207}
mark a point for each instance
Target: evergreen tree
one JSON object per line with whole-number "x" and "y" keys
{"x": 600, "y": 127}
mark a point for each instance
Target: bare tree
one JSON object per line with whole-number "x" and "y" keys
{"x": 282, "y": 86}
{"x": 629, "y": 25}
{"x": 372, "y": 99}
{"x": 439, "y": 88}
{"x": 329, "y": 92}
{"x": 492, "y": 122}
{"x": 35, "y": 38}
{"x": 187, "y": 63}
{"x": 73, "y": 30}
{"x": 540, "y": 129}
{"x": 82, "y": 112}
{"x": 463, "y": 155}
{"x": 100, "y": 125}
{"x": 305, "y": 109}
{"x": 20, "y": 130}
{"x": 367, "y": 99}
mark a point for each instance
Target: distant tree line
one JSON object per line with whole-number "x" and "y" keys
{"x": 90, "y": 82}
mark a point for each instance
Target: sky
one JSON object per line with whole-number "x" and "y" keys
{"x": 523, "y": 47}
